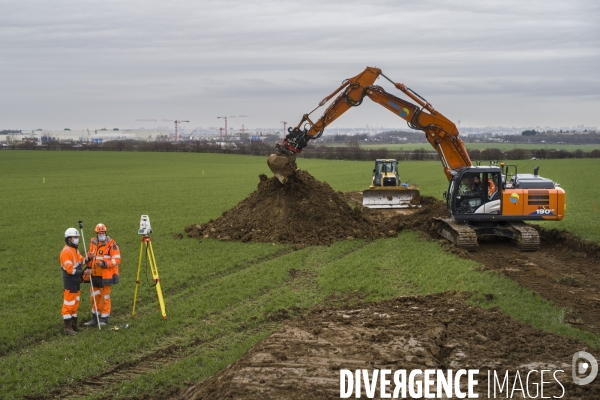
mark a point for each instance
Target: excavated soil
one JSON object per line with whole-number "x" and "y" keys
{"x": 304, "y": 212}
{"x": 303, "y": 359}
{"x": 565, "y": 270}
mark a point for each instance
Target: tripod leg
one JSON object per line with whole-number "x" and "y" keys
{"x": 137, "y": 279}
{"x": 156, "y": 278}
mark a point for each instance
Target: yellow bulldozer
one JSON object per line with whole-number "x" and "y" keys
{"x": 387, "y": 191}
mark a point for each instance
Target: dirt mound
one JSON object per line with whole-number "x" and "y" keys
{"x": 422, "y": 219}
{"x": 303, "y": 359}
{"x": 304, "y": 211}
{"x": 562, "y": 238}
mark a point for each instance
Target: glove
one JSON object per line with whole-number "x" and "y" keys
{"x": 87, "y": 271}
{"x": 101, "y": 264}
{"x": 86, "y": 260}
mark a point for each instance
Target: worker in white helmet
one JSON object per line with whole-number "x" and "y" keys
{"x": 72, "y": 263}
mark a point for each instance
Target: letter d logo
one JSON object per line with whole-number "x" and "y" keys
{"x": 582, "y": 367}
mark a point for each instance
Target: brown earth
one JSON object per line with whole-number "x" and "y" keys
{"x": 564, "y": 270}
{"x": 306, "y": 211}
{"x": 303, "y": 359}
{"x": 303, "y": 212}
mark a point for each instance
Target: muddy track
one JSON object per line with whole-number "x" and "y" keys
{"x": 303, "y": 359}
{"x": 565, "y": 270}
{"x": 108, "y": 381}
{"x": 557, "y": 272}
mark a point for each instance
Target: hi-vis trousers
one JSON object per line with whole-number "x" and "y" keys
{"x": 102, "y": 296}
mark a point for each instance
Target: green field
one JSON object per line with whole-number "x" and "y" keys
{"x": 219, "y": 295}
{"x": 482, "y": 146}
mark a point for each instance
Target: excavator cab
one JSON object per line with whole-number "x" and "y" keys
{"x": 475, "y": 192}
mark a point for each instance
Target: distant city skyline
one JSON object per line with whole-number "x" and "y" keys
{"x": 78, "y": 65}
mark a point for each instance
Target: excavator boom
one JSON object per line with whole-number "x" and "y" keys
{"x": 441, "y": 133}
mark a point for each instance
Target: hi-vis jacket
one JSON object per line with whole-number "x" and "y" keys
{"x": 71, "y": 262}
{"x": 105, "y": 259}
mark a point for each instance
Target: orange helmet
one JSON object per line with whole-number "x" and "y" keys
{"x": 100, "y": 228}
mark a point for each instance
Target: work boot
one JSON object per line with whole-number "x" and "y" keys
{"x": 68, "y": 328}
{"x": 74, "y": 324}
{"x": 92, "y": 322}
{"x": 103, "y": 321}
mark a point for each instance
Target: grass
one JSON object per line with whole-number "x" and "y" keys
{"x": 221, "y": 297}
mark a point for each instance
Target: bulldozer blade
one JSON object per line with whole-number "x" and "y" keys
{"x": 392, "y": 198}
{"x": 283, "y": 166}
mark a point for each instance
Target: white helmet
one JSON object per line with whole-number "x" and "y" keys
{"x": 71, "y": 232}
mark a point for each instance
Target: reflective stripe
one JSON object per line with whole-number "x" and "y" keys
{"x": 68, "y": 316}
{"x": 106, "y": 256}
{"x": 96, "y": 293}
{"x": 77, "y": 298}
{"x": 69, "y": 303}
{"x": 68, "y": 262}
{"x": 117, "y": 256}
{"x": 104, "y": 315}
{"x": 106, "y": 297}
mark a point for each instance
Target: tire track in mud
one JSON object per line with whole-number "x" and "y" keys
{"x": 557, "y": 272}
{"x": 108, "y": 381}
{"x": 565, "y": 270}
{"x": 302, "y": 360}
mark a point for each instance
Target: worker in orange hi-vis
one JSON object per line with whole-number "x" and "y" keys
{"x": 105, "y": 257}
{"x": 72, "y": 263}
{"x": 491, "y": 187}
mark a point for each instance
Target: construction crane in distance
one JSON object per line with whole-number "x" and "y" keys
{"x": 177, "y": 122}
{"x": 225, "y": 118}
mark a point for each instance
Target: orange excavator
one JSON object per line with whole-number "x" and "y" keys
{"x": 490, "y": 200}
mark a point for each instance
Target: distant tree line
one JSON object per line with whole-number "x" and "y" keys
{"x": 529, "y": 133}
{"x": 350, "y": 151}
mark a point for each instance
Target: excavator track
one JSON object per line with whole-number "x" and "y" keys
{"x": 529, "y": 238}
{"x": 459, "y": 233}
{"x": 465, "y": 235}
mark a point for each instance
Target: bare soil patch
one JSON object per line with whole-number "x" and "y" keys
{"x": 306, "y": 211}
{"x": 562, "y": 271}
{"x": 303, "y": 212}
{"x": 303, "y": 359}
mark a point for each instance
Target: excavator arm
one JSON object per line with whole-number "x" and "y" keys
{"x": 441, "y": 133}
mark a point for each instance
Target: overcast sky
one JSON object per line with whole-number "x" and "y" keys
{"x": 92, "y": 64}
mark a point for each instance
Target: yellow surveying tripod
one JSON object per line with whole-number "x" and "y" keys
{"x": 146, "y": 247}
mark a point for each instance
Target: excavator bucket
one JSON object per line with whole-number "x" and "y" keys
{"x": 283, "y": 166}
{"x": 398, "y": 197}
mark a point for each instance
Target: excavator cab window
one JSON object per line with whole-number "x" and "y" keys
{"x": 476, "y": 192}
{"x": 470, "y": 193}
